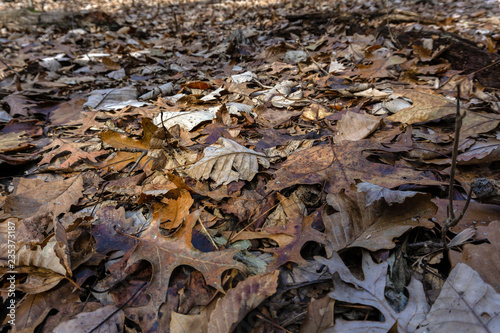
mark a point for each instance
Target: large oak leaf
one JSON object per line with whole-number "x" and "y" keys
{"x": 350, "y": 222}
{"x": 370, "y": 291}
{"x": 167, "y": 253}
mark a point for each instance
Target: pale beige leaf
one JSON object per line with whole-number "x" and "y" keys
{"x": 370, "y": 291}
{"x": 227, "y": 161}
{"x": 189, "y": 323}
{"x": 239, "y": 301}
{"x": 96, "y": 321}
{"x": 426, "y": 106}
{"x": 355, "y": 126}
{"x": 462, "y": 237}
{"x": 375, "y": 193}
{"x": 465, "y": 304}
{"x": 42, "y": 257}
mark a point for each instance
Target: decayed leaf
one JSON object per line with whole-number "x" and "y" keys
{"x": 221, "y": 158}
{"x": 379, "y": 67}
{"x": 74, "y": 149}
{"x": 173, "y": 208}
{"x": 113, "y": 99}
{"x": 341, "y": 164}
{"x": 426, "y": 106}
{"x": 189, "y": 323}
{"x": 36, "y": 197}
{"x": 43, "y": 257}
{"x": 355, "y": 126}
{"x": 33, "y": 308}
{"x": 465, "y": 304}
{"x": 13, "y": 142}
{"x": 167, "y": 253}
{"x": 108, "y": 319}
{"x": 370, "y": 291}
{"x": 319, "y": 315}
{"x": 484, "y": 258}
{"x": 375, "y": 193}
{"x": 355, "y": 224}
{"x": 239, "y": 301}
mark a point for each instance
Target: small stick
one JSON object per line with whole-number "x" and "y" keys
{"x": 451, "y": 220}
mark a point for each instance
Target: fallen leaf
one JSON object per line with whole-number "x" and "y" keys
{"x": 465, "y": 304}
{"x": 33, "y": 197}
{"x": 484, "y": 258}
{"x": 370, "y": 291}
{"x": 167, "y": 253}
{"x": 350, "y": 222}
{"x": 222, "y": 158}
{"x": 239, "y": 301}
{"x": 108, "y": 319}
{"x": 356, "y": 126}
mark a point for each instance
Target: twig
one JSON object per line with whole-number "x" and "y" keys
{"x": 451, "y": 220}
{"x": 121, "y": 307}
{"x": 312, "y": 58}
{"x": 208, "y": 235}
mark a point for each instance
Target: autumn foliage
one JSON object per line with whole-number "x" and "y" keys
{"x": 240, "y": 166}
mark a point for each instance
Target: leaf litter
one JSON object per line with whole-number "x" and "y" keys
{"x": 274, "y": 166}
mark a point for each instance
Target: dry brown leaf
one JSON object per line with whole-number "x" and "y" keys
{"x": 42, "y": 257}
{"x": 370, "y": 291}
{"x": 319, "y": 315}
{"x": 189, "y": 323}
{"x": 356, "y": 126}
{"x": 239, "y": 301}
{"x": 76, "y": 154}
{"x": 375, "y": 193}
{"x": 484, "y": 258}
{"x": 108, "y": 319}
{"x": 465, "y": 304}
{"x": 167, "y": 253}
{"x": 33, "y": 308}
{"x": 379, "y": 67}
{"x": 173, "y": 208}
{"x": 14, "y": 142}
{"x": 426, "y": 106}
{"x": 36, "y": 197}
{"x": 340, "y": 165}
{"x": 226, "y": 161}
{"x": 350, "y": 222}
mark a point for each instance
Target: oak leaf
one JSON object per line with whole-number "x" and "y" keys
{"x": 355, "y": 224}
{"x": 227, "y": 161}
{"x": 370, "y": 291}
{"x": 465, "y": 304}
{"x": 167, "y": 253}
{"x": 239, "y": 301}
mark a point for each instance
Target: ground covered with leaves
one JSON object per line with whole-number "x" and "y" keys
{"x": 241, "y": 166}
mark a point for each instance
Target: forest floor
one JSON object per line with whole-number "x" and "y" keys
{"x": 250, "y": 166}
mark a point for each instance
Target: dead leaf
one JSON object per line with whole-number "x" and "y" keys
{"x": 173, "y": 208}
{"x": 356, "y": 126}
{"x": 484, "y": 258}
{"x": 426, "y": 106}
{"x": 108, "y": 319}
{"x": 465, "y": 304}
{"x": 239, "y": 301}
{"x": 370, "y": 291}
{"x": 167, "y": 253}
{"x": 226, "y": 161}
{"x": 340, "y": 165}
{"x": 33, "y": 197}
{"x": 350, "y": 222}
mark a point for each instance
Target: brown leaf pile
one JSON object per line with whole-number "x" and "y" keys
{"x": 269, "y": 166}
